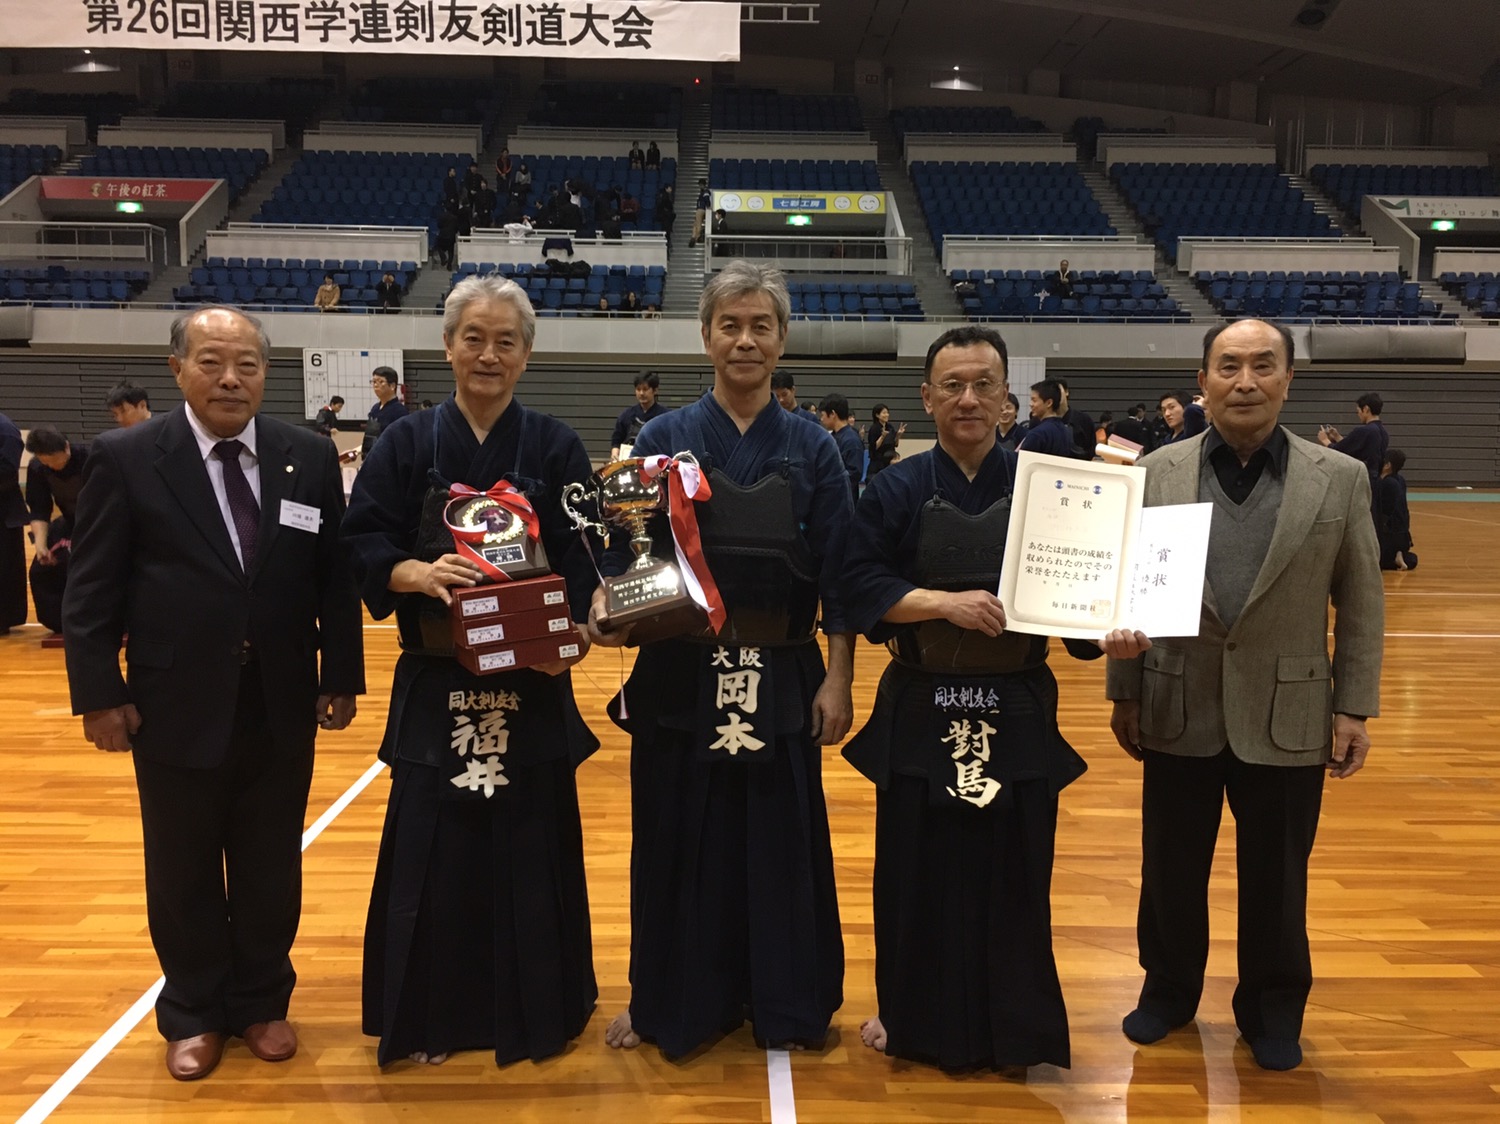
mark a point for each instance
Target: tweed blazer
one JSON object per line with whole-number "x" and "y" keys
{"x": 1266, "y": 686}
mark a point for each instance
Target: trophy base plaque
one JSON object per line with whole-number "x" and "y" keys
{"x": 654, "y": 601}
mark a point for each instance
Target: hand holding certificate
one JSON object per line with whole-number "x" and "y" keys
{"x": 1083, "y": 557}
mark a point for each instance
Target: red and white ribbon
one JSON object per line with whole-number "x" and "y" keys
{"x": 507, "y": 496}
{"x": 686, "y": 482}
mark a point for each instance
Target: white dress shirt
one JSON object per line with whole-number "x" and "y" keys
{"x": 249, "y": 463}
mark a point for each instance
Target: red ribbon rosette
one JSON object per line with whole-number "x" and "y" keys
{"x": 485, "y": 523}
{"x": 686, "y": 484}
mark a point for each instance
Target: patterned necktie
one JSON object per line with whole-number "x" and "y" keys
{"x": 242, "y": 506}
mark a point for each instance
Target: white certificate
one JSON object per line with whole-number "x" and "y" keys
{"x": 1080, "y": 561}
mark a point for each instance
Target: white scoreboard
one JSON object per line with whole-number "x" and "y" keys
{"x": 345, "y": 372}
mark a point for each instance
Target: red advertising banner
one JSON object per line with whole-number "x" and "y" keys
{"x": 140, "y": 188}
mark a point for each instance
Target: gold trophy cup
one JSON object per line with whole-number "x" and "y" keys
{"x": 651, "y": 595}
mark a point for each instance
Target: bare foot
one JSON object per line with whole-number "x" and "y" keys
{"x": 619, "y": 1035}
{"x": 423, "y": 1058}
{"x": 872, "y": 1033}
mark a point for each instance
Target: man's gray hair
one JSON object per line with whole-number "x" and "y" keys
{"x": 742, "y": 278}
{"x": 490, "y": 287}
{"x": 180, "y": 322}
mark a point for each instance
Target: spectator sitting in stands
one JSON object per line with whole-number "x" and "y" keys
{"x": 652, "y": 312}
{"x": 1393, "y": 523}
{"x": 630, "y": 208}
{"x": 653, "y": 157}
{"x": 128, "y": 404}
{"x": 519, "y": 229}
{"x": 636, "y": 157}
{"x": 631, "y": 304}
{"x": 388, "y": 293}
{"x": 1061, "y": 283}
{"x": 328, "y": 294}
{"x": 520, "y": 184}
{"x": 503, "y": 169}
{"x": 602, "y": 308}
{"x": 327, "y": 420}
{"x": 611, "y": 231}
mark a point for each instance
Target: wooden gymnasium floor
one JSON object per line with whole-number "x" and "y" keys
{"x": 1404, "y": 1022}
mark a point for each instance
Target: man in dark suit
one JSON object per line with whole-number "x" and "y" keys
{"x": 1252, "y": 707}
{"x": 210, "y": 536}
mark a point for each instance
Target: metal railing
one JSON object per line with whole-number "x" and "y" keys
{"x": 885, "y": 255}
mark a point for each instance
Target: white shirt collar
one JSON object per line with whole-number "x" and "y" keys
{"x": 207, "y": 441}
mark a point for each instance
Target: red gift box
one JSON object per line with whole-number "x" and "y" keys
{"x": 483, "y": 602}
{"x": 490, "y": 658}
{"x": 543, "y": 623}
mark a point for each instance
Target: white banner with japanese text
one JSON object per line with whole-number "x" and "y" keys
{"x": 582, "y": 29}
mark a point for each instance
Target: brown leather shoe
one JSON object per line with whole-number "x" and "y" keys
{"x": 191, "y": 1058}
{"x": 274, "y": 1041}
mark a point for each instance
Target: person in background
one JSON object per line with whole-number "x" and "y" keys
{"x": 1079, "y": 424}
{"x": 388, "y": 293}
{"x": 1393, "y": 521}
{"x": 636, "y": 156}
{"x": 653, "y": 157}
{"x": 327, "y": 420}
{"x": 326, "y": 299}
{"x": 128, "y": 404}
{"x": 883, "y": 439}
{"x": 1008, "y": 431}
{"x": 52, "y": 480}
{"x": 834, "y": 416}
{"x": 1367, "y": 442}
{"x": 784, "y": 390}
{"x": 388, "y": 406}
{"x": 701, "y": 208}
{"x": 13, "y": 520}
{"x": 1047, "y": 432}
{"x": 628, "y": 424}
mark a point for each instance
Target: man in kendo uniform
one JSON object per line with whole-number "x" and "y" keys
{"x": 963, "y": 744}
{"x": 733, "y": 907}
{"x": 628, "y": 424}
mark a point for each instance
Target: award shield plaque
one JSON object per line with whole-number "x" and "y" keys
{"x": 489, "y": 531}
{"x": 651, "y": 595}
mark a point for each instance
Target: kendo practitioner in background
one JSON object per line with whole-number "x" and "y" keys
{"x": 53, "y": 479}
{"x": 628, "y": 424}
{"x": 963, "y": 743}
{"x": 478, "y": 930}
{"x": 732, "y": 904}
{"x": 13, "y": 520}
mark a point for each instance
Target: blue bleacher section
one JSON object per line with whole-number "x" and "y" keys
{"x": 447, "y": 101}
{"x": 1304, "y": 297}
{"x": 1348, "y": 184}
{"x": 19, "y": 162}
{"x": 608, "y": 105}
{"x": 554, "y": 291}
{"x": 962, "y": 119}
{"x": 363, "y": 189}
{"x": 1006, "y": 198}
{"x": 58, "y": 286}
{"x": 604, "y": 172}
{"x": 1015, "y": 294}
{"x": 1236, "y": 200}
{"x": 854, "y": 300}
{"x": 296, "y": 101}
{"x": 794, "y": 175}
{"x": 290, "y": 283}
{"x": 769, "y": 111}
{"x": 239, "y": 166}
{"x": 1479, "y": 292}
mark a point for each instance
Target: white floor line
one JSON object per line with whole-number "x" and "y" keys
{"x": 48, "y": 1101}
{"x": 1446, "y": 635}
{"x": 779, "y": 1075}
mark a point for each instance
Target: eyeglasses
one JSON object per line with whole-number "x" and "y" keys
{"x": 982, "y": 388}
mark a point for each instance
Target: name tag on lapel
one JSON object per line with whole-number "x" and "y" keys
{"x": 304, "y": 517}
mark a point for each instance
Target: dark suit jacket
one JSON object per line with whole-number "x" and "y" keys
{"x": 153, "y": 558}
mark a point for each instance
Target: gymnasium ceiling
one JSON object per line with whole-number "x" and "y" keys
{"x": 1384, "y": 50}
